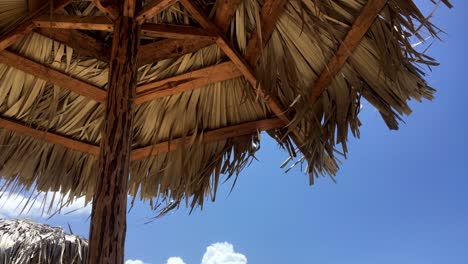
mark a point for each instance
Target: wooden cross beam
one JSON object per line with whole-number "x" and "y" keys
{"x": 170, "y": 48}
{"x": 152, "y": 9}
{"x": 360, "y": 27}
{"x": 28, "y": 25}
{"x": 238, "y": 60}
{"x": 186, "y": 82}
{"x": 224, "y": 12}
{"x": 56, "y": 77}
{"x": 175, "y": 32}
{"x": 219, "y": 134}
{"x": 49, "y": 137}
{"x": 74, "y": 22}
{"x": 81, "y": 43}
{"x": 108, "y": 8}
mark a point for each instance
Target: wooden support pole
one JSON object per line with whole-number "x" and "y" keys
{"x": 108, "y": 217}
{"x": 354, "y": 36}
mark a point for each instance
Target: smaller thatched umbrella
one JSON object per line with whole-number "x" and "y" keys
{"x": 26, "y": 242}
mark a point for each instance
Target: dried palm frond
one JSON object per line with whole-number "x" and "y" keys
{"x": 26, "y": 242}
{"x": 385, "y": 69}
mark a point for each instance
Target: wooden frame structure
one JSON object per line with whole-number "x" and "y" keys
{"x": 128, "y": 21}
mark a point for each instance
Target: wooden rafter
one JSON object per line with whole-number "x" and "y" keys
{"x": 271, "y": 10}
{"x": 237, "y": 59}
{"x": 108, "y": 8}
{"x": 27, "y": 25}
{"x": 74, "y": 22}
{"x": 49, "y": 137}
{"x": 186, "y": 82}
{"x": 170, "y": 48}
{"x": 360, "y": 27}
{"x": 175, "y": 32}
{"x": 56, "y": 77}
{"x": 219, "y": 134}
{"x": 224, "y": 12}
{"x": 81, "y": 43}
{"x": 153, "y": 8}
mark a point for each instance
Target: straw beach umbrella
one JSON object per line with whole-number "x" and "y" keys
{"x": 26, "y": 242}
{"x": 159, "y": 99}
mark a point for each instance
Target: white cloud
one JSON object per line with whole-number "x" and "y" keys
{"x": 175, "y": 260}
{"x": 14, "y": 205}
{"x": 136, "y": 261}
{"x": 222, "y": 253}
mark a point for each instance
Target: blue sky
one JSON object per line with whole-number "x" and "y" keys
{"x": 400, "y": 198}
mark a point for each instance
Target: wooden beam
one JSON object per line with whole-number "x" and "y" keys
{"x": 27, "y": 25}
{"x": 186, "y": 82}
{"x": 237, "y": 59}
{"x": 81, "y": 43}
{"x": 225, "y": 11}
{"x": 48, "y": 74}
{"x": 270, "y": 13}
{"x": 107, "y": 8}
{"x": 207, "y": 137}
{"x": 49, "y": 137}
{"x": 152, "y": 9}
{"x": 108, "y": 217}
{"x": 175, "y": 32}
{"x": 74, "y": 22}
{"x": 170, "y": 48}
{"x": 360, "y": 27}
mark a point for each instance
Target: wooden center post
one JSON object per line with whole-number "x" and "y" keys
{"x": 108, "y": 217}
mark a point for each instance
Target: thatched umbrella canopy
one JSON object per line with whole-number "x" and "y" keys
{"x": 159, "y": 98}
{"x": 26, "y": 242}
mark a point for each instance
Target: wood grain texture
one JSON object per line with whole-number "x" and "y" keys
{"x": 207, "y": 137}
{"x": 108, "y": 8}
{"x": 186, "y": 82}
{"x": 153, "y": 8}
{"x": 108, "y": 218}
{"x": 175, "y": 32}
{"x": 352, "y": 39}
{"x": 81, "y": 43}
{"x": 271, "y": 10}
{"x": 49, "y": 137}
{"x": 74, "y": 22}
{"x": 225, "y": 11}
{"x": 27, "y": 25}
{"x": 170, "y": 48}
{"x": 58, "y": 78}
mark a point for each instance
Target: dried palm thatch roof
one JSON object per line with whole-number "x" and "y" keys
{"x": 26, "y": 242}
{"x": 211, "y": 76}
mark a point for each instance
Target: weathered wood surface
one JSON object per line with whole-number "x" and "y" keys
{"x": 49, "y": 137}
{"x": 74, "y": 22}
{"x": 175, "y": 31}
{"x": 170, "y": 48}
{"x": 186, "y": 82}
{"x": 81, "y": 43}
{"x": 153, "y": 8}
{"x": 207, "y": 137}
{"x": 352, "y": 39}
{"x": 108, "y": 218}
{"x": 225, "y": 12}
{"x": 58, "y": 78}
{"x": 108, "y": 8}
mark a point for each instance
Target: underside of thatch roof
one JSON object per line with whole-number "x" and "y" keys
{"x": 26, "y": 242}
{"x": 211, "y": 76}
